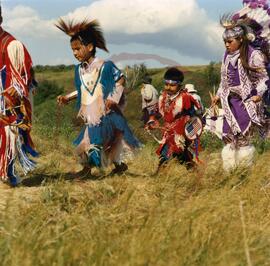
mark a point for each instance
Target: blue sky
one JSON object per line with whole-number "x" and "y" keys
{"x": 186, "y": 31}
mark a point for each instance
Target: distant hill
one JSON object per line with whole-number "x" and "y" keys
{"x": 141, "y": 57}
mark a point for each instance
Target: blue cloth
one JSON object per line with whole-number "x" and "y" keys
{"x": 13, "y": 179}
{"x": 3, "y": 77}
{"x": 112, "y": 123}
{"x": 26, "y": 147}
{"x": 2, "y": 86}
{"x": 163, "y": 154}
{"x": 78, "y": 83}
{"x": 104, "y": 133}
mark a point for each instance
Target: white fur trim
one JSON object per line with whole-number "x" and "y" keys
{"x": 228, "y": 155}
{"x": 245, "y": 155}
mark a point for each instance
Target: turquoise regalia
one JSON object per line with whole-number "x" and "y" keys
{"x": 100, "y": 141}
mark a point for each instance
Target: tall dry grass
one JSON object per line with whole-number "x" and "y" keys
{"x": 177, "y": 217}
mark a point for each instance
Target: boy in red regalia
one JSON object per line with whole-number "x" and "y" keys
{"x": 176, "y": 107}
{"x": 16, "y": 83}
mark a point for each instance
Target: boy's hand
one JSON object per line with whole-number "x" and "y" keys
{"x": 62, "y": 100}
{"x": 152, "y": 123}
{"x": 256, "y": 98}
{"x": 215, "y": 100}
{"x": 109, "y": 104}
{"x": 12, "y": 92}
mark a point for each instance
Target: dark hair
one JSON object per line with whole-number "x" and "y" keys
{"x": 174, "y": 74}
{"x": 244, "y": 52}
{"x": 147, "y": 79}
{"x": 85, "y": 31}
{"x": 85, "y": 40}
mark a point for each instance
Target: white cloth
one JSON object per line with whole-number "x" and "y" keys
{"x": 190, "y": 88}
{"x": 149, "y": 95}
{"x": 215, "y": 125}
{"x": 198, "y": 99}
{"x": 117, "y": 93}
{"x": 92, "y": 102}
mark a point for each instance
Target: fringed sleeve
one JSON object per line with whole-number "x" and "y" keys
{"x": 259, "y": 78}
{"x": 20, "y": 64}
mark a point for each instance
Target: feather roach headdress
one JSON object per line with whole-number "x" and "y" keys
{"x": 86, "y": 31}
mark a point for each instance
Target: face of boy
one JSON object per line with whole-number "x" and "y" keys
{"x": 232, "y": 44}
{"x": 171, "y": 88}
{"x": 81, "y": 52}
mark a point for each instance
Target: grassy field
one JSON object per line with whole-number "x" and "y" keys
{"x": 178, "y": 217}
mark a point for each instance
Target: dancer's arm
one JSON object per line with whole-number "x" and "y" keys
{"x": 117, "y": 93}
{"x": 65, "y": 99}
{"x": 257, "y": 61}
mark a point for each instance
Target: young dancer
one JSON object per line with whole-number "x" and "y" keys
{"x": 176, "y": 107}
{"x": 243, "y": 83}
{"x": 99, "y": 93}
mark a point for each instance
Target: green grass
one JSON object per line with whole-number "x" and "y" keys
{"x": 177, "y": 217}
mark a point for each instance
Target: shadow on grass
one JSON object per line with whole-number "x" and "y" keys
{"x": 43, "y": 179}
{"x": 126, "y": 174}
{"x": 39, "y": 179}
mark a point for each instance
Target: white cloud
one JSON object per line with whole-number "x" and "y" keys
{"x": 173, "y": 24}
{"x": 25, "y": 21}
{"x": 140, "y": 16}
{"x": 177, "y": 24}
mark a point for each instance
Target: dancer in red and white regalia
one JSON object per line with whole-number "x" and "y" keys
{"x": 176, "y": 107}
{"x": 16, "y": 83}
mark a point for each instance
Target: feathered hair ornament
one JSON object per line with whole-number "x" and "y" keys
{"x": 227, "y": 22}
{"x": 86, "y": 31}
{"x": 253, "y": 19}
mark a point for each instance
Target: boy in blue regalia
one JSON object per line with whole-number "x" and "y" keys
{"x": 100, "y": 98}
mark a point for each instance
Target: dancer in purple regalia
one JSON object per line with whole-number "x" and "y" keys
{"x": 243, "y": 84}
